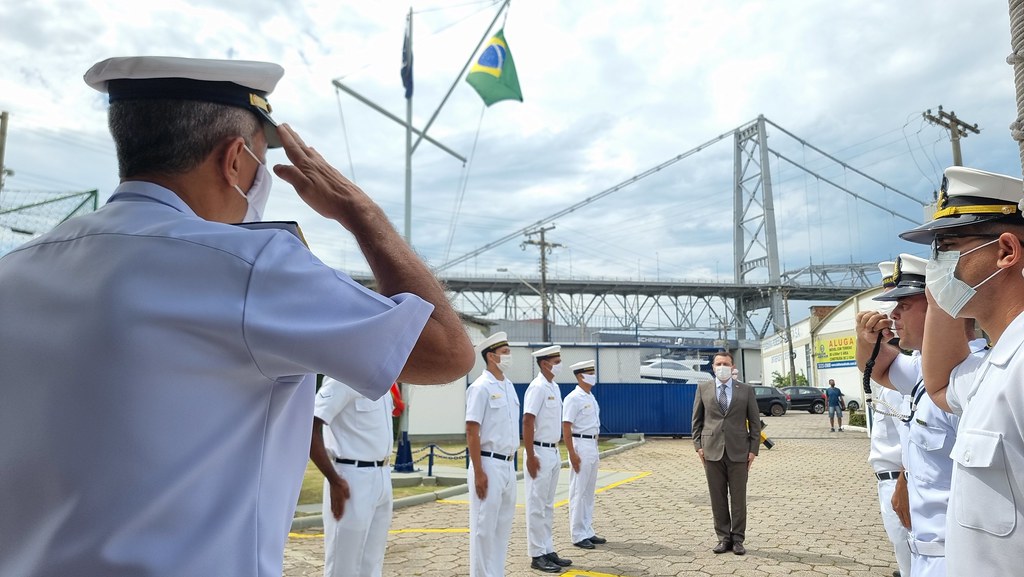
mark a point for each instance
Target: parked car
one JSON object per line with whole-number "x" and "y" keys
{"x": 686, "y": 371}
{"x": 811, "y": 399}
{"x": 771, "y": 401}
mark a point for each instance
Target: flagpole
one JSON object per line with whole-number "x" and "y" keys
{"x": 458, "y": 77}
{"x": 403, "y": 456}
{"x": 408, "y": 151}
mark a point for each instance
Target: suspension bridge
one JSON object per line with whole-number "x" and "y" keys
{"x": 750, "y": 305}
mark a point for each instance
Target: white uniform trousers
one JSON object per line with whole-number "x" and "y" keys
{"x": 354, "y": 546}
{"x": 893, "y": 528}
{"x": 928, "y": 566}
{"x": 540, "y": 502}
{"x": 581, "y": 490}
{"x": 490, "y": 519}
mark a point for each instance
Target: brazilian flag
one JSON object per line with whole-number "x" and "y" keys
{"x": 493, "y": 76}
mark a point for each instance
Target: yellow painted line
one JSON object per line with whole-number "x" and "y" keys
{"x": 588, "y": 574}
{"x": 453, "y": 501}
{"x": 623, "y": 482}
{"x": 319, "y": 535}
{"x": 565, "y": 502}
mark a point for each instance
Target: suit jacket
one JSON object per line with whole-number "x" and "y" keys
{"x": 731, "y": 435}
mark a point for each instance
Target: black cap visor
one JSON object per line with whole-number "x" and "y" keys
{"x": 900, "y": 292}
{"x": 927, "y": 231}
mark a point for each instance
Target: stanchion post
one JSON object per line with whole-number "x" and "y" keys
{"x": 403, "y": 460}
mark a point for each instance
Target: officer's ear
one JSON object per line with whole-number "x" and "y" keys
{"x": 1011, "y": 250}
{"x": 230, "y": 157}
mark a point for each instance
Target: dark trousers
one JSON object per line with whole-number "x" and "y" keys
{"x": 728, "y": 479}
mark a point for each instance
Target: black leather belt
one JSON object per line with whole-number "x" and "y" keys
{"x": 579, "y": 436}
{"x": 549, "y": 445}
{"x": 360, "y": 464}
{"x": 888, "y": 475}
{"x": 498, "y": 456}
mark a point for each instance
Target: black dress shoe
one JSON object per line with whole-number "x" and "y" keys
{"x": 598, "y": 540}
{"x": 738, "y": 549}
{"x": 560, "y": 561}
{"x": 544, "y": 564}
{"x": 722, "y": 547}
{"x": 585, "y": 544}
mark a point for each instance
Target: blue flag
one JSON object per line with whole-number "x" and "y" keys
{"x": 407, "y": 65}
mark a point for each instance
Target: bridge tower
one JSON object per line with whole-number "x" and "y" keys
{"x": 755, "y": 243}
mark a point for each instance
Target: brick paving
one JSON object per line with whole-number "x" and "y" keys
{"x": 812, "y": 511}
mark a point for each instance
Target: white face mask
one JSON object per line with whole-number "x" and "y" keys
{"x": 555, "y": 369}
{"x": 504, "y": 362}
{"x": 723, "y": 372}
{"x": 589, "y": 378}
{"x": 258, "y": 193}
{"x": 951, "y": 293}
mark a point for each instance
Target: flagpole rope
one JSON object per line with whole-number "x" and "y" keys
{"x": 465, "y": 183}
{"x": 1016, "y": 59}
{"x": 344, "y": 132}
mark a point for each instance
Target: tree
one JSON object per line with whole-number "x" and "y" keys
{"x": 783, "y": 380}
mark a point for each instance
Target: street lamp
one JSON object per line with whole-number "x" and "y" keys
{"x": 545, "y": 332}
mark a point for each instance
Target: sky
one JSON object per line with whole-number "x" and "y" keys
{"x": 611, "y": 89}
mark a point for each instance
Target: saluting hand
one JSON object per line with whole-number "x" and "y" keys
{"x": 319, "y": 184}
{"x": 339, "y": 494}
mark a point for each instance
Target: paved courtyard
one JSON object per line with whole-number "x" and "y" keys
{"x": 812, "y": 510}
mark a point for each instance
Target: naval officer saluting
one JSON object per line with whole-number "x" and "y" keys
{"x": 492, "y": 439}
{"x": 542, "y": 417}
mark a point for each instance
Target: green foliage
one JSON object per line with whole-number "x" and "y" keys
{"x": 858, "y": 419}
{"x": 783, "y": 380}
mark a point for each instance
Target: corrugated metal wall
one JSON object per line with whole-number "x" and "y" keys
{"x": 649, "y": 408}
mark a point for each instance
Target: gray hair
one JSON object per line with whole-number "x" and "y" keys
{"x": 173, "y": 136}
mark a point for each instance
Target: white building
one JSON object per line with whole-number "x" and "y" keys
{"x": 825, "y": 347}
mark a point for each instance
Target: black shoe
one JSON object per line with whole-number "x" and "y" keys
{"x": 585, "y": 544}
{"x": 896, "y": 574}
{"x": 738, "y": 549}
{"x": 560, "y": 561}
{"x": 598, "y": 540}
{"x": 544, "y": 564}
{"x": 722, "y": 547}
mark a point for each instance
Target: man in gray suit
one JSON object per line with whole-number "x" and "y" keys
{"x": 727, "y": 435}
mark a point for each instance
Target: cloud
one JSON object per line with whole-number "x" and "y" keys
{"x": 611, "y": 90}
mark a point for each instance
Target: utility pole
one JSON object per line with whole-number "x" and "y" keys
{"x": 956, "y": 127}
{"x": 789, "y": 338}
{"x": 545, "y": 248}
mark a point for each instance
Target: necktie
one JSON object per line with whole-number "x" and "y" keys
{"x": 723, "y": 401}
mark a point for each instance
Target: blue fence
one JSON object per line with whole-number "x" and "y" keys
{"x": 648, "y": 408}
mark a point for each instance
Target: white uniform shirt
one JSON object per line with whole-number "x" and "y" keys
{"x": 495, "y": 406}
{"x": 886, "y": 452}
{"x": 580, "y": 408}
{"x": 905, "y": 372}
{"x": 985, "y": 524}
{"x": 543, "y": 399}
{"x": 361, "y": 429}
{"x": 157, "y": 396}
